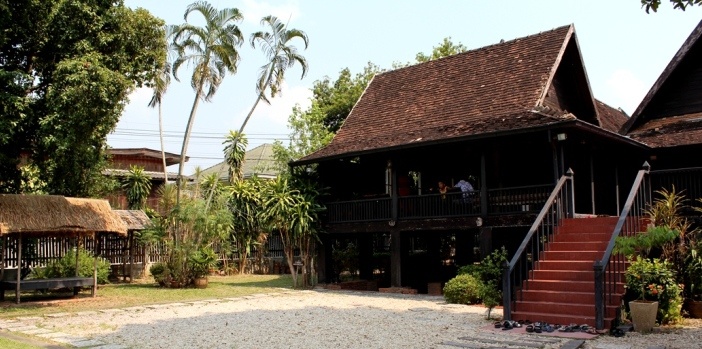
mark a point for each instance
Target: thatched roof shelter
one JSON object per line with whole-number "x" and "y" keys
{"x": 42, "y": 215}
{"x": 134, "y": 219}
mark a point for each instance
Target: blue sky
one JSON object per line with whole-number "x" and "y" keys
{"x": 624, "y": 50}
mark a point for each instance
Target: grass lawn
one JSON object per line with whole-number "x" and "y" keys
{"x": 10, "y": 344}
{"x": 139, "y": 293}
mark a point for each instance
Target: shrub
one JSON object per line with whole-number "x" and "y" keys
{"x": 66, "y": 267}
{"x": 160, "y": 273}
{"x": 654, "y": 280}
{"x": 463, "y": 289}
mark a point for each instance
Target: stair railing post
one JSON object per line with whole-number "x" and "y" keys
{"x": 506, "y": 293}
{"x": 571, "y": 192}
{"x": 599, "y": 295}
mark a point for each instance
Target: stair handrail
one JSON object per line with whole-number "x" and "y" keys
{"x": 629, "y": 223}
{"x": 560, "y": 204}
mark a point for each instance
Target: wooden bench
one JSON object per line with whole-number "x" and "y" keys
{"x": 76, "y": 283}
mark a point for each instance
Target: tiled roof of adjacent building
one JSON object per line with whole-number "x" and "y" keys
{"x": 490, "y": 89}
{"x": 671, "y": 112}
{"x": 257, "y": 161}
{"x": 610, "y": 119}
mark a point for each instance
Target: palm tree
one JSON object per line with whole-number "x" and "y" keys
{"x": 160, "y": 85}
{"x": 212, "y": 50}
{"x": 137, "y": 186}
{"x": 234, "y": 152}
{"x": 281, "y": 56}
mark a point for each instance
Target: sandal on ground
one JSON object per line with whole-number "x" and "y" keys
{"x": 537, "y": 329}
{"x": 498, "y": 324}
{"x": 530, "y": 328}
{"x": 618, "y": 332}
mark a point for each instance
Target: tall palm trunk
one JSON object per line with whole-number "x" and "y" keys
{"x": 163, "y": 150}
{"x": 186, "y": 140}
{"x": 241, "y": 130}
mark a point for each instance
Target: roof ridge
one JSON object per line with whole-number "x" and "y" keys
{"x": 478, "y": 49}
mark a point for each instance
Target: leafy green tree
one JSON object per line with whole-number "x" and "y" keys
{"x": 137, "y": 186}
{"x": 336, "y": 98}
{"x": 290, "y": 208}
{"x": 66, "y": 68}
{"x": 234, "y": 152}
{"x": 677, "y": 4}
{"x": 308, "y": 134}
{"x": 445, "y": 49}
{"x": 212, "y": 50}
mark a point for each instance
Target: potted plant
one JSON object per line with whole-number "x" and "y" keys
{"x": 693, "y": 286}
{"x": 199, "y": 263}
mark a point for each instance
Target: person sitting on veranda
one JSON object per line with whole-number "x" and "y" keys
{"x": 466, "y": 188}
{"x": 443, "y": 189}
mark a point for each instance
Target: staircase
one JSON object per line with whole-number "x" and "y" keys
{"x": 562, "y": 287}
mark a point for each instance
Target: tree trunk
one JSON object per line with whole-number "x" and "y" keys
{"x": 186, "y": 139}
{"x": 242, "y": 261}
{"x": 163, "y": 150}
{"x": 289, "y": 251}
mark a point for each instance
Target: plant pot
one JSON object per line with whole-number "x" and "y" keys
{"x": 200, "y": 282}
{"x": 694, "y": 308}
{"x": 643, "y": 315}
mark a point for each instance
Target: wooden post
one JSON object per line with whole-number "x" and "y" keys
{"x": 483, "y": 187}
{"x": 2, "y": 258}
{"x": 130, "y": 241}
{"x": 19, "y": 267}
{"x": 592, "y": 183}
{"x": 77, "y": 255}
{"x": 95, "y": 263}
{"x": 395, "y": 259}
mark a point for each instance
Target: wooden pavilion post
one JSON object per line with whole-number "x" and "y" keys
{"x": 19, "y": 267}
{"x": 96, "y": 241}
{"x": 77, "y": 255}
{"x": 3, "y": 245}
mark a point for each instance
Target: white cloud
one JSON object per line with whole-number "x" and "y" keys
{"x": 281, "y": 106}
{"x": 626, "y": 89}
{"x": 255, "y": 10}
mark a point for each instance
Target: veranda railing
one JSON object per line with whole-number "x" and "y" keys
{"x": 609, "y": 269}
{"x": 515, "y": 275}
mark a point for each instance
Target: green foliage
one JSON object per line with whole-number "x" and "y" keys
{"x": 67, "y": 69}
{"x": 491, "y": 296}
{"x": 463, "y": 289}
{"x": 308, "y": 134}
{"x": 445, "y": 49}
{"x": 643, "y": 243}
{"x": 160, "y": 273}
{"x": 201, "y": 261}
{"x": 137, "y": 185}
{"x": 336, "y": 98}
{"x": 344, "y": 257}
{"x": 489, "y": 270}
{"x": 234, "y": 152}
{"x": 66, "y": 267}
{"x": 677, "y": 4}
{"x": 655, "y": 280}
{"x": 245, "y": 203}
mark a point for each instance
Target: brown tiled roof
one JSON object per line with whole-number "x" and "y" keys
{"x": 491, "y": 89}
{"x": 171, "y": 158}
{"x": 610, "y": 119}
{"x": 670, "y": 131}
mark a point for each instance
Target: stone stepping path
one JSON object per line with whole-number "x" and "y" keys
{"x": 487, "y": 341}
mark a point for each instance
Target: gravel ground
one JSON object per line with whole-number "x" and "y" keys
{"x": 318, "y": 319}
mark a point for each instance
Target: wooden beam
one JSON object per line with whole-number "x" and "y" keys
{"x": 96, "y": 241}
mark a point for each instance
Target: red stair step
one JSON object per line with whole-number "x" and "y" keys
{"x": 570, "y": 309}
{"x": 564, "y": 275}
{"x": 594, "y": 237}
{"x": 557, "y": 296}
{"x": 566, "y": 255}
{"x": 576, "y": 246}
{"x": 575, "y": 264}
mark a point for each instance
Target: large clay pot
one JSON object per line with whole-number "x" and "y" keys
{"x": 643, "y": 315}
{"x": 200, "y": 282}
{"x": 694, "y": 308}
